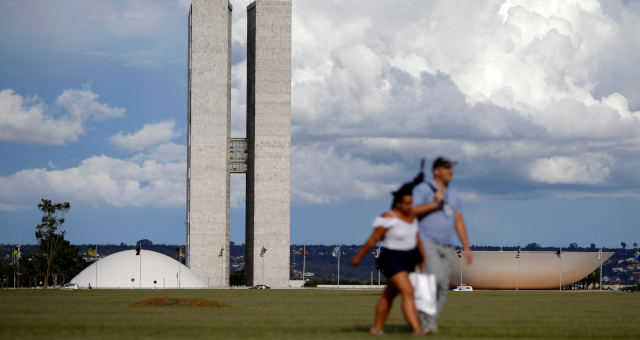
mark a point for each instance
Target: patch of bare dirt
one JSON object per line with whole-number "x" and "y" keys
{"x": 167, "y": 301}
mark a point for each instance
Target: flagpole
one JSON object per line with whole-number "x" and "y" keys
{"x": 13, "y": 259}
{"x": 377, "y": 255}
{"x": 560, "y": 256}
{"x": 600, "y": 256}
{"x": 96, "y": 266}
{"x": 460, "y": 267}
{"x": 140, "y": 282}
{"x": 262, "y": 252}
{"x": 304, "y": 262}
{"x": 178, "y": 271}
{"x": 518, "y": 275}
{"x": 338, "y": 266}
{"x": 222, "y": 268}
{"x": 518, "y": 271}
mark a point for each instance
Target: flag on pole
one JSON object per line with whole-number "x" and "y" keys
{"x": 15, "y": 251}
{"x": 262, "y": 251}
{"x": 336, "y": 251}
{"x": 459, "y": 252}
{"x": 376, "y": 253}
{"x": 558, "y": 253}
{"x": 518, "y": 253}
{"x": 221, "y": 251}
{"x": 637, "y": 254}
{"x": 138, "y": 249}
{"x": 600, "y": 254}
{"x": 180, "y": 253}
{"x": 92, "y": 252}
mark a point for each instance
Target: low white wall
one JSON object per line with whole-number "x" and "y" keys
{"x": 352, "y": 286}
{"x": 296, "y": 283}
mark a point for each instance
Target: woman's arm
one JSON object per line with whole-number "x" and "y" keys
{"x": 376, "y": 236}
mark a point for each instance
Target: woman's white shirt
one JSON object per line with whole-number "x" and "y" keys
{"x": 400, "y": 235}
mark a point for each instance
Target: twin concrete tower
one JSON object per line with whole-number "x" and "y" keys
{"x": 264, "y": 155}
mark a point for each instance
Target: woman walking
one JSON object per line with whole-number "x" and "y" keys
{"x": 401, "y": 251}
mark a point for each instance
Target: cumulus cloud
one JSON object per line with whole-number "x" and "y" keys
{"x": 529, "y": 96}
{"x": 593, "y": 168}
{"x": 150, "y": 135}
{"x": 514, "y": 93}
{"x": 321, "y": 175}
{"x": 30, "y": 120}
{"x": 103, "y": 180}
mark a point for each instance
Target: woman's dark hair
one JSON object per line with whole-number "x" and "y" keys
{"x": 407, "y": 189}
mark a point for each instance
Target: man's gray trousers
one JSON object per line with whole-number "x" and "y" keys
{"x": 439, "y": 260}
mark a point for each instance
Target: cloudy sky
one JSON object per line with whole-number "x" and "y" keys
{"x": 539, "y": 101}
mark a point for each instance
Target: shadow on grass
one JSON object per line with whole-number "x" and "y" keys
{"x": 388, "y": 329}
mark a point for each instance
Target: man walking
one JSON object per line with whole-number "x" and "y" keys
{"x": 438, "y": 208}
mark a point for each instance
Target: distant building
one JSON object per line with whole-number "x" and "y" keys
{"x": 531, "y": 270}
{"x": 125, "y": 269}
{"x": 264, "y": 155}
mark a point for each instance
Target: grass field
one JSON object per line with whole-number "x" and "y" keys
{"x": 303, "y": 314}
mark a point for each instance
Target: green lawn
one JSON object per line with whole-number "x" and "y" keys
{"x": 320, "y": 314}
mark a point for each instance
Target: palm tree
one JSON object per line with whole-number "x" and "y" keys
{"x": 594, "y": 278}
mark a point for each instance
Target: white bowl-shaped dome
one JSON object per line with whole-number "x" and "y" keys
{"x": 532, "y": 270}
{"x": 125, "y": 269}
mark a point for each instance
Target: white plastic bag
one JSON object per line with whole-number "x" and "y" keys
{"x": 424, "y": 292}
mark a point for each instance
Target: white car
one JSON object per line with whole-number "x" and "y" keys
{"x": 260, "y": 287}
{"x": 70, "y": 286}
{"x": 464, "y": 289}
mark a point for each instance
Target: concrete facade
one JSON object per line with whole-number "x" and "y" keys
{"x": 269, "y": 142}
{"x": 209, "y": 124}
{"x": 264, "y": 155}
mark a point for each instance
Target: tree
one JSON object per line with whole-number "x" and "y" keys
{"x": 635, "y": 244}
{"x": 68, "y": 261}
{"x": 32, "y": 269}
{"x": 6, "y": 274}
{"x": 623, "y": 245}
{"x": 532, "y": 246}
{"x": 573, "y": 245}
{"x": 594, "y": 278}
{"x": 237, "y": 278}
{"x": 592, "y": 246}
{"x": 145, "y": 243}
{"x": 49, "y": 232}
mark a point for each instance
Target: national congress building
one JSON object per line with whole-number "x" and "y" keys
{"x": 264, "y": 155}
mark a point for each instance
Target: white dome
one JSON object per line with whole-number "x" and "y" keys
{"x": 117, "y": 271}
{"x": 533, "y": 270}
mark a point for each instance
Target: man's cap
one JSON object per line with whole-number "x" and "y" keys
{"x": 443, "y": 162}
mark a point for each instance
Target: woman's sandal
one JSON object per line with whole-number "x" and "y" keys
{"x": 374, "y": 331}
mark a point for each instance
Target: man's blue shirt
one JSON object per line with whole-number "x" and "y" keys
{"x": 438, "y": 225}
